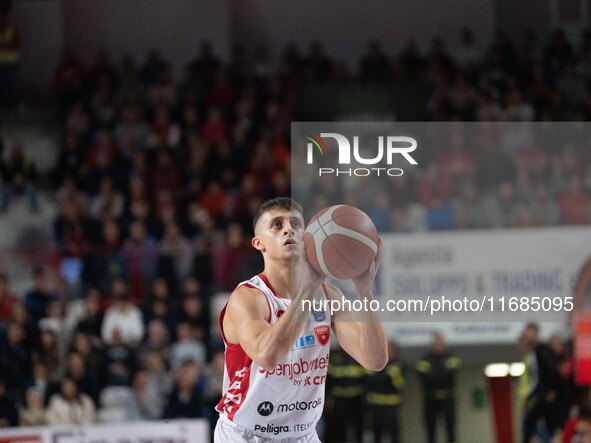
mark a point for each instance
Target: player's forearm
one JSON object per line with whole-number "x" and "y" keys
{"x": 372, "y": 340}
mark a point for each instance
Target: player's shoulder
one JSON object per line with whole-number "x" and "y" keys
{"x": 246, "y": 296}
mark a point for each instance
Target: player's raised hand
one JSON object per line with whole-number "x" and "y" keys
{"x": 306, "y": 278}
{"x": 364, "y": 282}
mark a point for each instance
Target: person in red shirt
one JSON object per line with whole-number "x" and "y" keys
{"x": 574, "y": 203}
{"x": 7, "y": 299}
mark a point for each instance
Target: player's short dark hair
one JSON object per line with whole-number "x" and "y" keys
{"x": 277, "y": 203}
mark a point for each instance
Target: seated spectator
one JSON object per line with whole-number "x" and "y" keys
{"x": 73, "y": 229}
{"x": 90, "y": 353}
{"x": 14, "y": 359}
{"x": 186, "y": 348}
{"x": 41, "y": 382}
{"x": 49, "y": 352}
{"x": 231, "y": 263}
{"x": 158, "y": 373}
{"x": 140, "y": 255}
{"x": 194, "y": 310}
{"x": 122, "y": 316}
{"x": 544, "y": 206}
{"x": 92, "y": 319}
{"x": 85, "y": 378}
{"x": 8, "y": 413}
{"x": 7, "y": 299}
{"x": 118, "y": 361}
{"x": 214, "y": 379}
{"x": 70, "y": 407}
{"x": 500, "y": 208}
{"x": 441, "y": 215}
{"x": 185, "y": 400}
{"x": 574, "y": 203}
{"x": 18, "y": 174}
{"x": 178, "y": 250}
{"x": 34, "y": 412}
{"x": 107, "y": 201}
{"x": 157, "y": 339}
{"x": 70, "y": 163}
{"x": 38, "y": 298}
{"x": 148, "y": 402}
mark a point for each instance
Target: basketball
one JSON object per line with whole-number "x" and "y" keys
{"x": 341, "y": 241}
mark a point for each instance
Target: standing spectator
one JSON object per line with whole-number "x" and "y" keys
{"x": 565, "y": 385}
{"x": 8, "y": 413}
{"x": 185, "y": 400}
{"x": 123, "y": 317}
{"x": 345, "y": 385}
{"x": 7, "y": 299}
{"x": 9, "y": 61}
{"x": 437, "y": 370}
{"x": 34, "y": 412}
{"x": 538, "y": 384}
{"x": 384, "y": 397}
{"x": 18, "y": 174}
{"x": 70, "y": 407}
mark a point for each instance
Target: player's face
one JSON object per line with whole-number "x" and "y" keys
{"x": 279, "y": 234}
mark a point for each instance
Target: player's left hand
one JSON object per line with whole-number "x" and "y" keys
{"x": 364, "y": 282}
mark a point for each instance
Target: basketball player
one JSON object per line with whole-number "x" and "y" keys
{"x": 276, "y": 352}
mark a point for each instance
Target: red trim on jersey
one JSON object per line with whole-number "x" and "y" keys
{"x": 323, "y": 286}
{"x": 268, "y": 283}
{"x": 238, "y": 366}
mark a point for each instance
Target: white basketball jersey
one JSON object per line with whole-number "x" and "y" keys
{"x": 288, "y": 400}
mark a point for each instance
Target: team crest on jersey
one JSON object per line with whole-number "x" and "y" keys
{"x": 322, "y": 334}
{"x": 319, "y": 315}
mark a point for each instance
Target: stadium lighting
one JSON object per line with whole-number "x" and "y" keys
{"x": 496, "y": 370}
{"x": 516, "y": 369}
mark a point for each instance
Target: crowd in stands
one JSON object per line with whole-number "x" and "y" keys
{"x": 157, "y": 182}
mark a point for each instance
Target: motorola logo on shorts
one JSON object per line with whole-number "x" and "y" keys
{"x": 265, "y": 408}
{"x": 380, "y": 153}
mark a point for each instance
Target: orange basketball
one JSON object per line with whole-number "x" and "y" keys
{"x": 341, "y": 241}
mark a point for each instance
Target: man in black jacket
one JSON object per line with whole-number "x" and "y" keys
{"x": 540, "y": 379}
{"x": 384, "y": 396}
{"x": 437, "y": 370}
